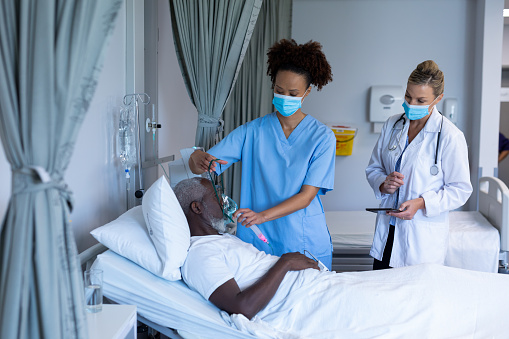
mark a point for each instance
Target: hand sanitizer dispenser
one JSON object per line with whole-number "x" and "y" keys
{"x": 451, "y": 109}
{"x": 384, "y": 102}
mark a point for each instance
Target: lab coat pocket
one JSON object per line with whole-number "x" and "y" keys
{"x": 427, "y": 242}
{"x": 317, "y": 239}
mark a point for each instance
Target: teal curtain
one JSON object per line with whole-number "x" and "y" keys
{"x": 50, "y": 56}
{"x": 252, "y": 95}
{"x": 211, "y": 38}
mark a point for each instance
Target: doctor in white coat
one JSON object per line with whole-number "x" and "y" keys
{"x": 419, "y": 166}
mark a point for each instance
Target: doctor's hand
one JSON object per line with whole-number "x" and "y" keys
{"x": 248, "y": 217}
{"x": 199, "y": 162}
{"x": 409, "y": 208}
{"x": 392, "y": 182}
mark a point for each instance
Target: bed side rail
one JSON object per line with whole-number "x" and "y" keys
{"x": 88, "y": 256}
{"x": 494, "y": 205}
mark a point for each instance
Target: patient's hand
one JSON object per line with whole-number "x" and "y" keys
{"x": 296, "y": 261}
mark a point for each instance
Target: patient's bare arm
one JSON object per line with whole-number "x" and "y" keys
{"x": 249, "y": 302}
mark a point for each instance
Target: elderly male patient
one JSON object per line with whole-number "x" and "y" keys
{"x": 290, "y": 295}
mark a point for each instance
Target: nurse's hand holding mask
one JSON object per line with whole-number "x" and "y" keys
{"x": 248, "y": 217}
{"x": 199, "y": 162}
{"x": 392, "y": 182}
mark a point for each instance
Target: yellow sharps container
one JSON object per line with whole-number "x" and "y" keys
{"x": 344, "y": 138}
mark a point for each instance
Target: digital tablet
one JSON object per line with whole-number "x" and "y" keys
{"x": 376, "y": 210}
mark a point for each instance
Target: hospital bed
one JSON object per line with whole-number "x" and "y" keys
{"x": 477, "y": 239}
{"x": 171, "y": 308}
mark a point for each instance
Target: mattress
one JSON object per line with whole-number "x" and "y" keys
{"x": 473, "y": 242}
{"x": 351, "y": 229}
{"x": 167, "y": 303}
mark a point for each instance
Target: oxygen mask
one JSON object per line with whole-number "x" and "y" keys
{"x": 229, "y": 207}
{"x": 227, "y": 204}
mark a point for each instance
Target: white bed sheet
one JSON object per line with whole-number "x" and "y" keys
{"x": 473, "y": 242}
{"x": 167, "y": 303}
{"x": 429, "y": 301}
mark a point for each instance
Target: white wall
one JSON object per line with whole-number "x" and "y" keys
{"x": 177, "y": 114}
{"x": 372, "y": 42}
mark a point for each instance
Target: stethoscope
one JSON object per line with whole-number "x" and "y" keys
{"x": 434, "y": 168}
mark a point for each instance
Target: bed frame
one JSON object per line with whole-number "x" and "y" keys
{"x": 494, "y": 205}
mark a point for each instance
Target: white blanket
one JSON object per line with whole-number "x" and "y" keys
{"x": 424, "y": 301}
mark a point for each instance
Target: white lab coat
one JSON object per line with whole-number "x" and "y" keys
{"x": 423, "y": 239}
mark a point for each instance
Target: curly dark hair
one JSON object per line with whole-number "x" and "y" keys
{"x": 306, "y": 59}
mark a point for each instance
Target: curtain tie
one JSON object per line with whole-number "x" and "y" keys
{"x": 29, "y": 179}
{"x": 208, "y": 121}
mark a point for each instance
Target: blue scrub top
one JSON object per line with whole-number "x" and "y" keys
{"x": 273, "y": 170}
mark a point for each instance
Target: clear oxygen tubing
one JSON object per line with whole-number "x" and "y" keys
{"x": 259, "y": 234}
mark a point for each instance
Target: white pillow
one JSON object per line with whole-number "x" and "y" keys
{"x": 128, "y": 236}
{"x": 167, "y": 227}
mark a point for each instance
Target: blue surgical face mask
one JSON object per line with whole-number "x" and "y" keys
{"x": 416, "y": 112}
{"x": 287, "y": 105}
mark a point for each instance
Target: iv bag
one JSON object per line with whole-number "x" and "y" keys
{"x": 127, "y": 137}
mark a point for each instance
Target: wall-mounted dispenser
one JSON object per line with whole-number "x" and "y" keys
{"x": 384, "y": 102}
{"x": 451, "y": 109}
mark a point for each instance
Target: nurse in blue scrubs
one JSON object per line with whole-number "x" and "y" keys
{"x": 287, "y": 159}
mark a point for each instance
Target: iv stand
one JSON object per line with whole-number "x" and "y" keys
{"x": 145, "y": 99}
